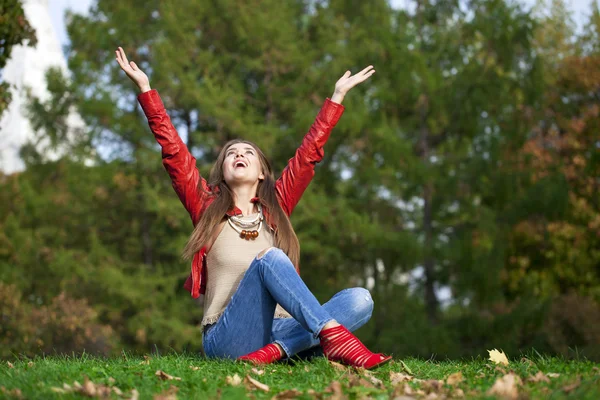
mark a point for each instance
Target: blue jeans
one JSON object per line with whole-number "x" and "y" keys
{"x": 247, "y": 323}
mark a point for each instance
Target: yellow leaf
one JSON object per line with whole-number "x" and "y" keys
{"x": 498, "y": 357}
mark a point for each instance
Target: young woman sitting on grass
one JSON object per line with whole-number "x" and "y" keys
{"x": 244, "y": 251}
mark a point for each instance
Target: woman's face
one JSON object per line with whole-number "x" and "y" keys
{"x": 242, "y": 165}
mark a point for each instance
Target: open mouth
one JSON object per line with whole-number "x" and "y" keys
{"x": 240, "y": 164}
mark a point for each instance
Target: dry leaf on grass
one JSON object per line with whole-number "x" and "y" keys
{"x": 401, "y": 390}
{"x": 30, "y": 364}
{"x": 306, "y": 368}
{"x": 572, "y": 386}
{"x": 169, "y": 394}
{"x": 498, "y": 357}
{"x": 539, "y": 377}
{"x": 287, "y": 394}
{"x": 134, "y": 394}
{"x": 10, "y": 365}
{"x": 337, "y": 366}
{"x": 253, "y": 383}
{"x": 233, "y": 380}
{"x": 397, "y": 377}
{"x": 454, "y": 378}
{"x": 166, "y": 377}
{"x": 432, "y": 385}
{"x": 258, "y": 371}
{"x": 146, "y": 361}
{"x": 335, "y": 388}
{"x": 16, "y": 393}
{"x": 552, "y": 375}
{"x": 194, "y": 368}
{"x": 506, "y": 387}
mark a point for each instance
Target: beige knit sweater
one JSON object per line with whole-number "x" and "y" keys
{"x": 227, "y": 261}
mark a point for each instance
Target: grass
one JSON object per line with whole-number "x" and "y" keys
{"x": 36, "y": 377}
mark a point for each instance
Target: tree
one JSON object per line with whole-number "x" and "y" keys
{"x": 14, "y": 30}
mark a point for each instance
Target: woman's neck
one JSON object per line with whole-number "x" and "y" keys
{"x": 243, "y": 196}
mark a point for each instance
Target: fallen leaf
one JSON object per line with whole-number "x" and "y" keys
{"x": 169, "y": 394}
{"x": 397, "y": 377}
{"x": 30, "y": 364}
{"x": 498, "y": 357}
{"x": 258, "y": 371}
{"x": 539, "y": 377}
{"x": 16, "y": 393}
{"x": 337, "y": 366}
{"x": 335, "y": 388}
{"x": 506, "y": 386}
{"x": 552, "y": 375}
{"x": 164, "y": 376}
{"x": 233, "y": 380}
{"x": 146, "y": 361}
{"x": 287, "y": 394}
{"x": 10, "y": 365}
{"x": 134, "y": 394}
{"x": 572, "y": 386}
{"x": 256, "y": 384}
{"x": 454, "y": 378}
{"x": 58, "y": 390}
{"x": 194, "y": 368}
{"x": 432, "y": 385}
{"x": 306, "y": 368}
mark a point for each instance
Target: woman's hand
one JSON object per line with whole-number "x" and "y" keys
{"x": 347, "y": 82}
{"x": 133, "y": 72}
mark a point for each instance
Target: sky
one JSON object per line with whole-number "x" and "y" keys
{"x": 58, "y": 7}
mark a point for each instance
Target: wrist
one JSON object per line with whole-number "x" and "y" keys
{"x": 337, "y": 97}
{"x": 145, "y": 88}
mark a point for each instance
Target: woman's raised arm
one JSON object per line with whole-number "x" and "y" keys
{"x": 177, "y": 160}
{"x": 301, "y": 168}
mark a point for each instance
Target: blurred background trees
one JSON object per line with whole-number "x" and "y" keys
{"x": 460, "y": 186}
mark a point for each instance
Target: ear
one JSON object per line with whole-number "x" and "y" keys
{"x": 261, "y": 176}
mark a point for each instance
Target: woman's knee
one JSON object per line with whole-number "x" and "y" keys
{"x": 362, "y": 301}
{"x": 264, "y": 252}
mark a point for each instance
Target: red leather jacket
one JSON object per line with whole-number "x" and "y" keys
{"x": 181, "y": 166}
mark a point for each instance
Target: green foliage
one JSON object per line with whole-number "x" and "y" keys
{"x": 14, "y": 30}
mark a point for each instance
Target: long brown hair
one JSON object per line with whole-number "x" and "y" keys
{"x": 284, "y": 236}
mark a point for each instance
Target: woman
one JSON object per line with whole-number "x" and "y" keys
{"x": 244, "y": 250}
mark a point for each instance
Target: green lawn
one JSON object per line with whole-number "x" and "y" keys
{"x": 44, "y": 378}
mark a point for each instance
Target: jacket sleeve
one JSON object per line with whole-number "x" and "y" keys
{"x": 176, "y": 158}
{"x": 301, "y": 168}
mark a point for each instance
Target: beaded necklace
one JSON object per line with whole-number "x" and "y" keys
{"x": 243, "y": 227}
